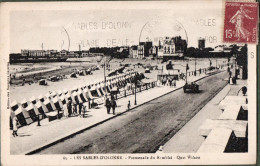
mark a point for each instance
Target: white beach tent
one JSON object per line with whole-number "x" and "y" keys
{"x": 94, "y": 92}
{"x": 98, "y": 91}
{"x": 82, "y": 96}
{"x": 41, "y": 98}
{"x": 24, "y": 103}
{"x": 49, "y": 106}
{"x": 76, "y": 97}
{"x": 33, "y": 100}
{"x": 60, "y": 93}
{"x": 33, "y": 112}
{"x": 41, "y": 108}
{"x": 53, "y": 94}
{"x": 57, "y": 102}
{"x": 23, "y": 116}
{"x": 48, "y": 97}
{"x": 63, "y": 99}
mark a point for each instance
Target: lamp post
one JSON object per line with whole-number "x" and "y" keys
{"x": 135, "y": 88}
{"x": 187, "y": 68}
{"x": 195, "y": 68}
{"x": 105, "y": 76}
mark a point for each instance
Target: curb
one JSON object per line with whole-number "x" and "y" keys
{"x": 80, "y": 130}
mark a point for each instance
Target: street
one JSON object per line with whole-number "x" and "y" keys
{"x": 144, "y": 129}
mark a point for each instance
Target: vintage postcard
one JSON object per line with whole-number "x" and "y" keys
{"x": 128, "y": 83}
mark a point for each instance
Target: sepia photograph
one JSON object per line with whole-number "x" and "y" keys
{"x": 101, "y": 83}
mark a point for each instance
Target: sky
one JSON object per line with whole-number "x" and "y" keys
{"x": 82, "y": 29}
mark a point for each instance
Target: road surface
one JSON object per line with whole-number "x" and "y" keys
{"x": 144, "y": 129}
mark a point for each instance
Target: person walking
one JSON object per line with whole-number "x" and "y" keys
{"x": 174, "y": 83}
{"x": 84, "y": 111}
{"x": 80, "y": 108}
{"x": 108, "y": 105}
{"x": 113, "y": 105}
{"x": 75, "y": 108}
{"x": 170, "y": 82}
{"x": 129, "y": 105}
{"x": 69, "y": 108}
{"x": 65, "y": 110}
{"x": 15, "y": 121}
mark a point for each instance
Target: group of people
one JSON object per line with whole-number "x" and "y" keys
{"x": 110, "y": 104}
{"x": 168, "y": 81}
{"x": 74, "y": 109}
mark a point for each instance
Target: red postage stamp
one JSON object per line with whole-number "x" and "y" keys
{"x": 240, "y": 24}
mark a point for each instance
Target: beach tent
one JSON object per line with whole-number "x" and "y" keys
{"x": 94, "y": 92}
{"x": 33, "y": 112}
{"x": 65, "y": 91}
{"x": 59, "y": 93}
{"x": 57, "y": 102}
{"x": 41, "y": 98}
{"x": 43, "y": 82}
{"x": 19, "y": 113}
{"x": 82, "y": 73}
{"x": 14, "y": 105}
{"x": 90, "y": 97}
{"x": 102, "y": 89}
{"x": 41, "y": 109}
{"x": 73, "y": 75}
{"x": 82, "y": 96}
{"x": 76, "y": 97}
{"x": 24, "y": 103}
{"x": 63, "y": 99}
{"x": 33, "y": 100}
{"x": 49, "y": 96}
{"x": 99, "y": 91}
{"x": 75, "y": 88}
{"x": 68, "y": 97}
{"x": 54, "y": 78}
{"x": 49, "y": 105}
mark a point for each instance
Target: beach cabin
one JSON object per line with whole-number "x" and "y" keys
{"x": 65, "y": 91}
{"x": 94, "y": 91}
{"x": 82, "y": 96}
{"x": 33, "y": 112}
{"x": 18, "y": 113}
{"x": 63, "y": 99}
{"x": 41, "y": 109}
{"x": 33, "y": 100}
{"x": 76, "y": 98}
{"x": 49, "y": 105}
{"x": 57, "y": 103}
{"x": 73, "y": 75}
{"x": 68, "y": 97}
{"x": 24, "y": 103}
{"x": 59, "y": 93}
{"x": 90, "y": 98}
{"x": 43, "y": 82}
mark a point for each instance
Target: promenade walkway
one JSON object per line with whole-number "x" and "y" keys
{"x": 32, "y": 137}
{"x": 188, "y": 139}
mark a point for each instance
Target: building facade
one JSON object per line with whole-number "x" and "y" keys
{"x": 172, "y": 47}
{"x": 133, "y": 52}
{"x": 201, "y": 44}
{"x": 38, "y": 53}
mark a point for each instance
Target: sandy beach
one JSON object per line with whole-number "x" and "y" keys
{"x": 19, "y": 92}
